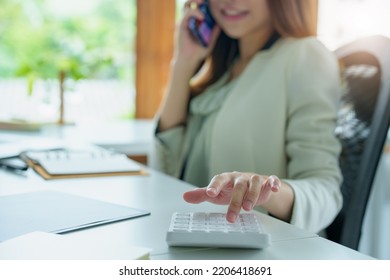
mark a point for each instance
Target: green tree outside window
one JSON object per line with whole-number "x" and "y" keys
{"x": 37, "y": 43}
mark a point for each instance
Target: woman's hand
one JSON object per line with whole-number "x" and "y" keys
{"x": 187, "y": 48}
{"x": 239, "y": 190}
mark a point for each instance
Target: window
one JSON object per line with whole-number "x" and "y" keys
{"x": 101, "y": 37}
{"x": 91, "y": 43}
{"x": 342, "y": 21}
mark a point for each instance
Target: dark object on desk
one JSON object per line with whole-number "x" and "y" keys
{"x": 14, "y": 164}
{"x": 362, "y": 128}
{"x": 57, "y": 212}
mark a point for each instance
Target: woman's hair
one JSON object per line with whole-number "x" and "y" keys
{"x": 290, "y": 18}
{"x": 294, "y": 18}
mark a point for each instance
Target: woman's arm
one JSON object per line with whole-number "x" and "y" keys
{"x": 187, "y": 57}
{"x": 173, "y": 110}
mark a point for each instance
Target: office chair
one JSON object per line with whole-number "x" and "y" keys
{"x": 362, "y": 127}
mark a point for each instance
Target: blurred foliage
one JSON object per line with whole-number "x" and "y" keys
{"x": 37, "y": 42}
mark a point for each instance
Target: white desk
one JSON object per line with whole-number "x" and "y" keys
{"x": 162, "y": 195}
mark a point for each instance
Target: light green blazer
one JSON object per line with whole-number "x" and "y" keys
{"x": 277, "y": 118}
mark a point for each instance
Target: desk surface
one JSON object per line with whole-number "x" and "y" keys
{"x": 162, "y": 195}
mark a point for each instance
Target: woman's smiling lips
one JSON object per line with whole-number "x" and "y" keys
{"x": 233, "y": 14}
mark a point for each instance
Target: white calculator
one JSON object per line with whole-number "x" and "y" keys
{"x": 201, "y": 229}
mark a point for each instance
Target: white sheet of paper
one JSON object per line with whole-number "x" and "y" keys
{"x": 49, "y": 246}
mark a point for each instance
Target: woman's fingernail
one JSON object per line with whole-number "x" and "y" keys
{"x": 211, "y": 191}
{"x": 248, "y": 205}
{"x": 232, "y": 217}
{"x": 274, "y": 183}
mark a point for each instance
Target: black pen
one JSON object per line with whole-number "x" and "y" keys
{"x": 13, "y": 164}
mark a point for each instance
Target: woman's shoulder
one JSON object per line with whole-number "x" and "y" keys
{"x": 299, "y": 52}
{"x": 304, "y": 42}
{"x": 306, "y": 45}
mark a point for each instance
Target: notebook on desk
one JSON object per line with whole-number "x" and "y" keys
{"x": 57, "y": 212}
{"x": 81, "y": 163}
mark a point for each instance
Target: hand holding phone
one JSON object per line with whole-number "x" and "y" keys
{"x": 201, "y": 30}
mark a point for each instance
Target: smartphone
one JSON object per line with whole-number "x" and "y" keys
{"x": 201, "y": 30}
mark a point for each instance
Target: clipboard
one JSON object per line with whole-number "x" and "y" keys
{"x": 57, "y": 212}
{"x": 63, "y": 164}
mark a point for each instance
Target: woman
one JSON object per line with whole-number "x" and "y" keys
{"x": 261, "y": 99}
